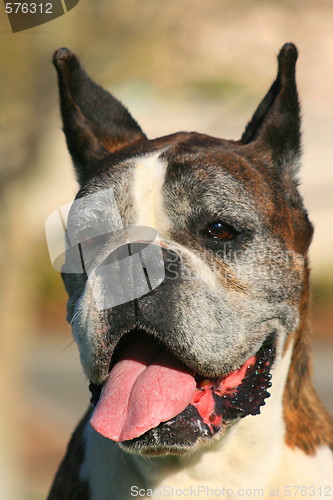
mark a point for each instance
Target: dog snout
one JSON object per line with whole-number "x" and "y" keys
{"x": 152, "y": 256}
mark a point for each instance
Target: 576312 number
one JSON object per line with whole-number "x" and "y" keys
{"x": 28, "y": 8}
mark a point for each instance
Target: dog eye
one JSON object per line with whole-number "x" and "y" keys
{"x": 220, "y": 231}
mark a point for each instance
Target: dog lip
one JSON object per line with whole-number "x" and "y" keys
{"x": 270, "y": 340}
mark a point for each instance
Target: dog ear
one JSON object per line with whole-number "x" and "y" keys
{"x": 95, "y": 123}
{"x": 275, "y": 126}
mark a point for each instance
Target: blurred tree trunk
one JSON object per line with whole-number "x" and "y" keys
{"x": 23, "y": 122}
{"x": 14, "y": 326}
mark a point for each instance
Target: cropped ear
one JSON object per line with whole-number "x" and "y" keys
{"x": 275, "y": 126}
{"x": 95, "y": 123}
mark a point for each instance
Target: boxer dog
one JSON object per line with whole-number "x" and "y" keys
{"x": 201, "y": 384}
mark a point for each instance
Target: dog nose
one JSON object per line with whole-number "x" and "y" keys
{"x": 129, "y": 272}
{"x": 171, "y": 258}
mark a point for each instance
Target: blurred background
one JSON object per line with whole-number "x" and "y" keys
{"x": 185, "y": 65}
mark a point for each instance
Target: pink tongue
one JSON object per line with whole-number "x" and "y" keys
{"x": 147, "y": 386}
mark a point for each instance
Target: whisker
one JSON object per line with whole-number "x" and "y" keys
{"x": 67, "y": 346}
{"x": 74, "y": 317}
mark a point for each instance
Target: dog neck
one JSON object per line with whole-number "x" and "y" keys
{"x": 308, "y": 425}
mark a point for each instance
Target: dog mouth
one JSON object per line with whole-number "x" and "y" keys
{"x": 149, "y": 391}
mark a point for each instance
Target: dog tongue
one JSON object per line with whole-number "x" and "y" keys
{"x": 147, "y": 386}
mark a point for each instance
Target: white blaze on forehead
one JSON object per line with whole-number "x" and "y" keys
{"x": 149, "y": 176}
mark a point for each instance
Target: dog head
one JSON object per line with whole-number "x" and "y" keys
{"x": 175, "y": 364}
